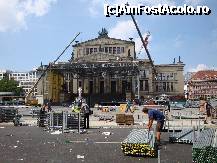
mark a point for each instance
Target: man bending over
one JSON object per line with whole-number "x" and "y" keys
{"x": 157, "y": 115}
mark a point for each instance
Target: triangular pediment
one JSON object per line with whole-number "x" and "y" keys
{"x": 103, "y": 41}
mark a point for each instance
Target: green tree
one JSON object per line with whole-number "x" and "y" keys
{"x": 7, "y": 85}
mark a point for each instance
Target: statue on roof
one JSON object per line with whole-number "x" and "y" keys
{"x": 103, "y": 33}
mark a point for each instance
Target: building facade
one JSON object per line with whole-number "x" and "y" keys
{"x": 3, "y": 74}
{"x": 26, "y": 80}
{"x": 107, "y": 70}
{"x": 203, "y": 84}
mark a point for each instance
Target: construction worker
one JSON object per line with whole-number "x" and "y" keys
{"x": 157, "y": 115}
{"x": 128, "y": 106}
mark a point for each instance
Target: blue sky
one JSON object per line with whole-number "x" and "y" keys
{"x": 32, "y": 31}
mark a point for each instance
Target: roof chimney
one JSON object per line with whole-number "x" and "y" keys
{"x": 179, "y": 60}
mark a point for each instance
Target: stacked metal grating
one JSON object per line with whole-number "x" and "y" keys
{"x": 54, "y": 120}
{"x": 63, "y": 120}
{"x": 140, "y": 142}
{"x": 42, "y": 119}
{"x": 204, "y": 149}
{"x": 73, "y": 120}
{"x": 186, "y": 136}
{"x": 57, "y": 119}
{"x": 8, "y": 114}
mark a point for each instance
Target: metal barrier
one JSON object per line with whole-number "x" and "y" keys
{"x": 42, "y": 120}
{"x": 204, "y": 148}
{"x": 63, "y": 121}
{"x": 181, "y": 122}
{"x": 8, "y": 114}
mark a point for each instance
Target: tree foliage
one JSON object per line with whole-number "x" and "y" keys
{"x": 7, "y": 85}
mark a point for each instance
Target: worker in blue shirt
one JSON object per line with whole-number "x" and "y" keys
{"x": 128, "y": 107}
{"x": 154, "y": 114}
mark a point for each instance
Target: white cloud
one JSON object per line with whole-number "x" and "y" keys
{"x": 13, "y": 13}
{"x": 95, "y": 6}
{"x": 201, "y": 67}
{"x": 125, "y": 30}
{"x": 38, "y": 7}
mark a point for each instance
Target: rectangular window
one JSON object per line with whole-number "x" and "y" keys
{"x": 129, "y": 86}
{"x": 91, "y": 50}
{"x": 171, "y": 87}
{"x": 171, "y": 76}
{"x": 124, "y": 86}
{"x": 113, "y": 86}
{"x": 164, "y": 77}
{"x": 90, "y": 87}
{"x": 161, "y": 76}
{"x": 79, "y": 84}
{"x": 164, "y": 86}
{"x": 144, "y": 74}
{"x": 79, "y": 53}
{"x": 146, "y": 85}
{"x": 110, "y": 50}
{"x": 147, "y": 73}
{"x": 122, "y": 49}
{"x": 118, "y": 50}
{"x": 141, "y": 85}
{"x": 101, "y": 49}
{"x": 156, "y": 87}
{"x": 101, "y": 87}
{"x": 168, "y": 87}
{"x": 106, "y": 49}
{"x": 87, "y": 51}
{"x": 95, "y": 49}
{"x": 114, "y": 50}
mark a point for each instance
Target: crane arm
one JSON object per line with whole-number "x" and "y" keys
{"x": 144, "y": 44}
{"x": 48, "y": 67}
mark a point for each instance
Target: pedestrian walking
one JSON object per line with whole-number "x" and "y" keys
{"x": 128, "y": 107}
{"x": 208, "y": 108}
